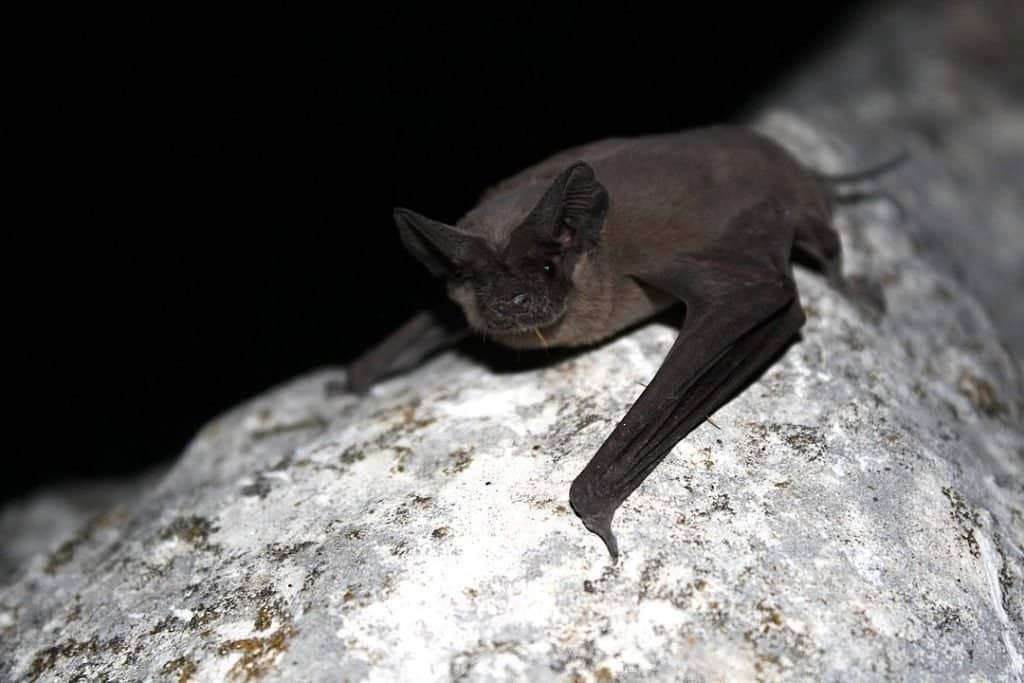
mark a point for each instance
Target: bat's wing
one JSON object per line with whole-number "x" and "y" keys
{"x": 425, "y": 333}
{"x": 741, "y": 310}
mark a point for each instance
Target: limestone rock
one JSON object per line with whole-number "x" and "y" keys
{"x": 944, "y": 81}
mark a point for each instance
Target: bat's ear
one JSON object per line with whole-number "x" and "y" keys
{"x": 444, "y": 250}
{"x": 572, "y": 211}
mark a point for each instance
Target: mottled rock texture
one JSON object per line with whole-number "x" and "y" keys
{"x": 944, "y": 80}
{"x": 857, "y": 513}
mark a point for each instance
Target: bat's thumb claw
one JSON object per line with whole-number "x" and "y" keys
{"x": 602, "y": 526}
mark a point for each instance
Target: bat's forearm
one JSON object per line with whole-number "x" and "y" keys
{"x": 742, "y": 310}
{"x": 422, "y": 335}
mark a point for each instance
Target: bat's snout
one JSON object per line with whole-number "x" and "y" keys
{"x": 520, "y": 311}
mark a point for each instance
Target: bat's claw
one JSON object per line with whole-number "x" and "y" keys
{"x": 336, "y": 387}
{"x": 595, "y": 513}
{"x": 602, "y": 526}
{"x": 354, "y": 383}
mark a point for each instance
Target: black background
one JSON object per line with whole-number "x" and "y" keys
{"x": 202, "y": 199}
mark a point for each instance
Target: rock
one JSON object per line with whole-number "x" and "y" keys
{"x": 857, "y": 514}
{"x": 33, "y": 525}
{"x": 945, "y": 81}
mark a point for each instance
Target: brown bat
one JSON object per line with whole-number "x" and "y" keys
{"x": 600, "y": 237}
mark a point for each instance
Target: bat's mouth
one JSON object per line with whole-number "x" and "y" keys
{"x": 522, "y": 314}
{"x": 535, "y": 334}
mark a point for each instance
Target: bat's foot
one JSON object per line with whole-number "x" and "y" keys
{"x": 602, "y": 526}
{"x": 336, "y": 387}
{"x": 352, "y": 384}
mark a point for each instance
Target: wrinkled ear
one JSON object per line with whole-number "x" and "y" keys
{"x": 444, "y": 250}
{"x": 572, "y": 211}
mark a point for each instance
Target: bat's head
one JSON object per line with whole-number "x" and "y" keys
{"x": 522, "y": 283}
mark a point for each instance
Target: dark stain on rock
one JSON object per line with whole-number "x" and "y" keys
{"x": 805, "y": 440}
{"x": 981, "y": 393}
{"x": 720, "y": 503}
{"x": 965, "y": 518}
{"x": 400, "y": 517}
{"x": 777, "y": 648}
{"x": 66, "y": 551}
{"x": 771, "y": 617}
{"x": 402, "y": 455}
{"x": 549, "y": 504}
{"x": 279, "y": 552}
{"x": 167, "y": 624}
{"x": 44, "y": 660}
{"x": 587, "y": 420}
{"x": 406, "y": 413}
{"x": 202, "y": 617}
{"x": 264, "y": 618}
{"x": 652, "y": 588}
{"x": 75, "y": 611}
{"x": 407, "y": 422}
{"x": 853, "y": 339}
{"x": 947, "y": 619}
{"x": 649, "y": 576}
{"x": 282, "y": 464}
{"x": 459, "y": 459}
{"x": 260, "y": 487}
{"x": 194, "y": 530}
{"x": 440, "y": 532}
{"x": 1006, "y": 584}
{"x": 463, "y": 665}
{"x": 351, "y": 455}
{"x": 259, "y": 655}
{"x": 182, "y": 667}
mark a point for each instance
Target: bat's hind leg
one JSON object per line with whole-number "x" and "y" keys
{"x": 817, "y": 244}
{"x": 424, "y": 334}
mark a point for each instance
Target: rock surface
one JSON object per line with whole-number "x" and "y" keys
{"x": 858, "y": 515}
{"x": 31, "y": 525}
{"x": 944, "y": 80}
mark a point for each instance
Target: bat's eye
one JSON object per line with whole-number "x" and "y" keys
{"x": 550, "y": 269}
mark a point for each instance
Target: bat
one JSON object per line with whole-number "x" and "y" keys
{"x": 600, "y": 237}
